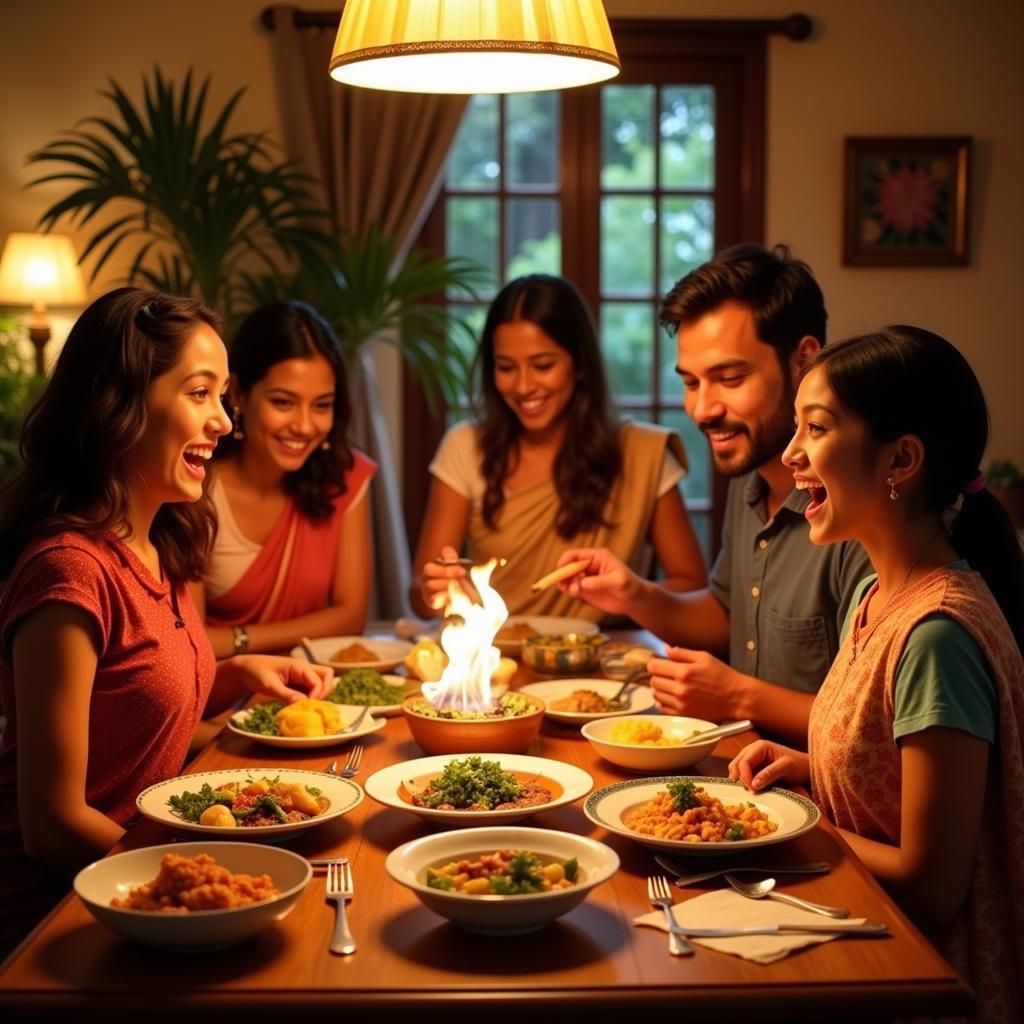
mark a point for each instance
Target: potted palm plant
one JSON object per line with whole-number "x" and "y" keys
{"x": 209, "y": 212}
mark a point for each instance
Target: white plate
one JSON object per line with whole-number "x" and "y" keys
{"x": 640, "y": 698}
{"x": 545, "y": 625}
{"x": 385, "y": 786}
{"x": 794, "y": 814}
{"x": 391, "y": 651}
{"x": 343, "y": 794}
{"x": 349, "y": 713}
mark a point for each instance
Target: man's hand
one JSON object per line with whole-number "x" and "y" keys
{"x": 697, "y": 684}
{"x": 606, "y": 582}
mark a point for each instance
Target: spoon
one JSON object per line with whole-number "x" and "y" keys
{"x": 719, "y": 732}
{"x": 618, "y": 699}
{"x": 356, "y": 722}
{"x": 307, "y": 648}
{"x": 766, "y": 888}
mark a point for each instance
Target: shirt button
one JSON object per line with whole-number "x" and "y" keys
{"x": 751, "y": 646}
{"x": 762, "y": 544}
{"x": 755, "y": 591}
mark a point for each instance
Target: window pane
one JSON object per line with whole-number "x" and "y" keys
{"x": 687, "y": 236}
{"x": 467, "y": 340}
{"x": 627, "y": 335}
{"x": 627, "y": 246}
{"x": 472, "y": 231}
{"x": 531, "y": 139}
{"x": 697, "y": 482}
{"x": 473, "y": 160}
{"x": 627, "y": 136}
{"x": 532, "y": 237}
{"x": 687, "y": 128}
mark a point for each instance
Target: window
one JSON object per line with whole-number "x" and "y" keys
{"x": 622, "y": 188}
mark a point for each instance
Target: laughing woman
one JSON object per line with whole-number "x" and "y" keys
{"x": 292, "y": 555}
{"x": 105, "y": 668}
{"x": 916, "y": 735}
{"x": 548, "y": 466}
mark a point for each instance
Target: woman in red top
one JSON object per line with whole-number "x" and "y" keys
{"x": 105, "y": 668}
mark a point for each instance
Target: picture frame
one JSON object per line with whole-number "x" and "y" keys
{"x": 905, "y": 201}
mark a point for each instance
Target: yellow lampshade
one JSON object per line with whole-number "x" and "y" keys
{"x": 473, "y": 46}
{"x": 38, "y": 270}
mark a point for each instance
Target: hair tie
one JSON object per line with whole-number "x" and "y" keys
{"x": 977, "y": 484}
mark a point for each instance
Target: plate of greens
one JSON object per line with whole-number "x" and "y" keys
{"x": 264, "y": 805}
{"x": 478, "y": 789}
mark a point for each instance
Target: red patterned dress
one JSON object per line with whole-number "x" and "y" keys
{"x": 856, "y": 773}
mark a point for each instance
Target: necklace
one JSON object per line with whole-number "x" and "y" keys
{"x": 855, "y": 635}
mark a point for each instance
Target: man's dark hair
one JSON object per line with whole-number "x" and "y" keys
{"x": 780, "y": 292}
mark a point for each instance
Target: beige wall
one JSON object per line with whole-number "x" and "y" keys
{"x": 944, "y": 67}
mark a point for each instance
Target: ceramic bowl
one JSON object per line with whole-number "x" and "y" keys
{"x": 644, "y": 758}
{"x": 509, "y": 735}
{"x": 200, "y": 930}
{"x": 564, "y": 652}
{"x": 501, "y": 915}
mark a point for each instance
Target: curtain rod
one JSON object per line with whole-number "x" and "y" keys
{"x": 797, "y": 27}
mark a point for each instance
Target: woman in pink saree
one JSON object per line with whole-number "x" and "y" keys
{"x": 292, "y": 556}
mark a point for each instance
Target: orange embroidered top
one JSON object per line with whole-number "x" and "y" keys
{"x": 856, "y": 772}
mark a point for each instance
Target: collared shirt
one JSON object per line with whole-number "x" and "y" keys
{"x": 787, "y": 598}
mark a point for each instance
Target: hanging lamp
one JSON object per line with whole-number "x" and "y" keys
{"x": 473, "y": 46}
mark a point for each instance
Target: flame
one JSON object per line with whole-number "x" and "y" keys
{"x": 465, "y": 684}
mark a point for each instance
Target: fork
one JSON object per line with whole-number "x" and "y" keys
{"x": 351, "y": 769}
{"x": 659, "y": 895}
{"x": 340, "y": 889}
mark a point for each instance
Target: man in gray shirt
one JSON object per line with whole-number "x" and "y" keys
{"x": 745, "y": 324}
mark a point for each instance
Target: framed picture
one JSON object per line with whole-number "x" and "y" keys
{"x": 905, "y": 201}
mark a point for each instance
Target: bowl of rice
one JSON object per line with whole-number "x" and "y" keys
{"x": 193, "y": 897}
{"x": 649, "y": 743}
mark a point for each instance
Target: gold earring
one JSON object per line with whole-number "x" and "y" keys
{"x": 237, "y": 433}
{"x": 325, "y": 446}
{"x": 893, "y": 493}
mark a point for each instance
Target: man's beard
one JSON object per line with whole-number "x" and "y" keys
{"x": 767, "y": 439}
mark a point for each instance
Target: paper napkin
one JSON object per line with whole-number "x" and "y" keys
{"x": 727, "y": 909}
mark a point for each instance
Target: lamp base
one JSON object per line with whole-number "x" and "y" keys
{"x": 39, "y": 336}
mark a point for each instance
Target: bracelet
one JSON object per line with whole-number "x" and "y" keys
{"x": 241, "y": 639}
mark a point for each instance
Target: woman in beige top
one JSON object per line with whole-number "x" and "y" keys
{"x": 548, "y": 466}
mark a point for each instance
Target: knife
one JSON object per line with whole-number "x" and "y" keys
{"x": 818, "y": 867}
{"x": 876, "y": 928}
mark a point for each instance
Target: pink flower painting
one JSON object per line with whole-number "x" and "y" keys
{"x": 907, "y": 199}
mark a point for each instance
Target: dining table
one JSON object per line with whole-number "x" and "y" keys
{"x": 411, "y": 964}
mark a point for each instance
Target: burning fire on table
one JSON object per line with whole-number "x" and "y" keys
{"x": 464, "y": 689}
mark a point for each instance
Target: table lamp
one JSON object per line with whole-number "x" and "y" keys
{"x": 40, "y": 270}
{"x": 473, "y": 46}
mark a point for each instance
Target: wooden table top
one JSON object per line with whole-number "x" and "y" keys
{"x": 591, "y": 961}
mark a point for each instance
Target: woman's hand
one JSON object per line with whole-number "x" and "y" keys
{"x": 764, "y": 763}
{"x": 282, "y": 678}
{"x": 435, "y": 579}
{"x": 606, "y": 582}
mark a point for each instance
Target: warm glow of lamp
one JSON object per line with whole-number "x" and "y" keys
{"x": 473, "y": 46}
{"x": 40, "y": 271}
